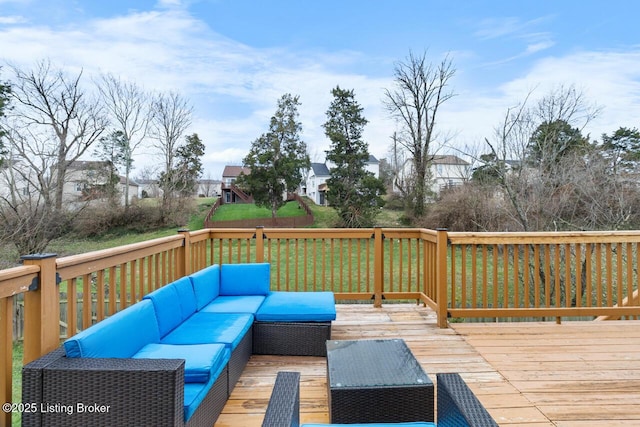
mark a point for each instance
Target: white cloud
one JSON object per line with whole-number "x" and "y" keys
{"x": 11, "y": 20}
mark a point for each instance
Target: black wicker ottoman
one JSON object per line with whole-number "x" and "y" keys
{"x": 291, "y": 338}
{"x": 294, "y": 323}
{"x": 376, "y": 381}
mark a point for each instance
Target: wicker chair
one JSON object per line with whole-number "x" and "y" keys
{"x": 457, "y": 405}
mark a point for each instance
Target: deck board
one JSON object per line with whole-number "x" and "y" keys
{"x": 527, "y": 374}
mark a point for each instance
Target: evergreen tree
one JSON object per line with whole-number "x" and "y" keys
{"x": 551, "y": 142}
{"x": 182, "y": 179}
{"x": 353, "y": 191}
{"x": 276, "y": 158}
{"x": 622, "y": 149}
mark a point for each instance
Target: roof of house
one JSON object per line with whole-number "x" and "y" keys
{"x": 123, "y": 181}
{"x": 448, "y": 160}
{"x": 320, "y": 169}
{"x": 89, "y": 164}
{"x": 235, "y": 171}
{"x": 372, "y": 159}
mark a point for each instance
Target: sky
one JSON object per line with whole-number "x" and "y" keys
{"x": 233, "y": 59}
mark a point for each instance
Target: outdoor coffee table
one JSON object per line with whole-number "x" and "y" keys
{"x": 373, "y": 381}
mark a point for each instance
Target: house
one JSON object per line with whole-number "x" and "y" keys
{"x": 447, "y": 171}
{"x": 14, "y": 180}
{"x": 209, "y": 188}
{"x": 148, "y": 188}
{"x": 315, "y": 186}
{"x": 229, "y": 192}
{"x": 373, "y": 166}
{"x": 88, "y": 180}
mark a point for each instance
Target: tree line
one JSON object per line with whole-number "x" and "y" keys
{"x": 51, "y": 119}
{"x": 538, "y": 171}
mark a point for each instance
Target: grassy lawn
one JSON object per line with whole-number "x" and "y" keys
{"x": 229, "y": 212}
{"x": 17, "y": 380}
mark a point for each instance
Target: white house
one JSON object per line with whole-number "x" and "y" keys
{"x": 84, "y": 182}
{"x": 87, "y": 180}
{"x": 209, "y": 188}
{"x": 447, "y": 171}
{"x": 315, "y": 184}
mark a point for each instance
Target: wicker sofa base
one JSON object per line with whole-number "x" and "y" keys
{"x": 239, "y": 359}
{"x": 108, "y": 392}
{"x": 291, "y": 338}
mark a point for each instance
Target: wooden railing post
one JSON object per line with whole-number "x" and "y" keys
{"x": 6, "y": 356}
{"x": 259, "y": 243}
{"x": 184, "y": 263}
{"x": 378, "y": 266}
{"x": 41, "y": 309}
{"x": 441, "y": 276}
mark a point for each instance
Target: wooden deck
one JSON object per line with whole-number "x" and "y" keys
{"x": 576, "y": 374}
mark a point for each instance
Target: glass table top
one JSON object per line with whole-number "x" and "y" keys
{"x": 373, "y": 363}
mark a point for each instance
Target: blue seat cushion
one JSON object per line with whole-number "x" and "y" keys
{"x": 245, "y": 279}
{"x": 410, "y": 424}
{"x": 227, "y": 329}
{"x": 206, "y": 285}
{"x": 297, "y": 307}
{"x": 201, "y": 361}
{"x": 194, "y": 393}
{"x": 235, "y": 304}
{"x": 120, "y": 335}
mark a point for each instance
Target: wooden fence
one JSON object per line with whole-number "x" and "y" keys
{"x": 459, "y": 275}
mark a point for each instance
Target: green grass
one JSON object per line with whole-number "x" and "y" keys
{"x": 232, "y": 212}
{"x": 17, "y": 379}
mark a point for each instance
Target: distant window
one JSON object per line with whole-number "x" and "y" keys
{"x": 25, "y": 191}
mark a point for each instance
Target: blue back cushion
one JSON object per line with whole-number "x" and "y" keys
{"x": 119, "y": 336}
{"x": 245, "y": 279}
{"x": 206, "y": 285}
{"x": 168, "y": 312}
{"x": 186, "y": 296}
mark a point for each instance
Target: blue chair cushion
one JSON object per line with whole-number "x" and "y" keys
{"x": 201, "y": 360}
{"x": 119, "y": 336}
{"x": 297, "y": 307}
{"x": 228, "y": 329}
{"x": 234, "y": 304}
{"x": 245, "y": 279}
{"x": 206, "y": 285}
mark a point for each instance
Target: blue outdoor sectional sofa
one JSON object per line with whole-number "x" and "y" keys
{"x": 174, "y": 357}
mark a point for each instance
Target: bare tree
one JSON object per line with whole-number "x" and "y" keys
{"x": 53, "y": 122}
{"x": 421, "y": 89}
{"x": 128, "y": 105}
{"x": 537, "y": 186}
{"x": 170, "y": 119}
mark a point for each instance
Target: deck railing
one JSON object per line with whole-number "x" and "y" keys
{"x": 459, "y": 275}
